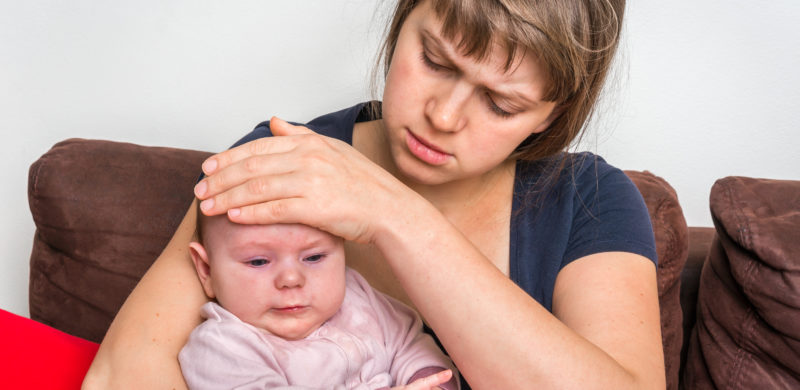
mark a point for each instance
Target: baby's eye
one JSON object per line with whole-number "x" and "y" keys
{"x": 314, "y": 258}
{"x": 258, "y": 262}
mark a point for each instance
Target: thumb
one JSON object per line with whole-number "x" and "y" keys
{"x": 281, "y": 127}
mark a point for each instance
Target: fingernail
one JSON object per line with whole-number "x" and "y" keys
{"x": 234, "y": 212}
{"x": 200, "y": 189}
{"x": 207, "y": 204}
{"x": 209, "y": 166}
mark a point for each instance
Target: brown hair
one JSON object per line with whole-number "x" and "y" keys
{"x": 573, "y": 40}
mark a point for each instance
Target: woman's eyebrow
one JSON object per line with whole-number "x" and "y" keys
{"x": 428, "y": 36}
{"x": 516, "y": 95}
{"x": 431, "y": 39}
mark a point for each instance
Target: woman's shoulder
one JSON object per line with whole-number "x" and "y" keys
{"x": 337, "y": 124}
{"x": 570, "y": 172}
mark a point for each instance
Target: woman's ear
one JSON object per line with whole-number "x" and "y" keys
{"x": 201, "y": 264}
{"x": 557, "y": 111}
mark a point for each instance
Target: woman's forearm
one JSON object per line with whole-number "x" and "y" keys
{"x": 141, "y": 347}
{"x": 498, "y": 336}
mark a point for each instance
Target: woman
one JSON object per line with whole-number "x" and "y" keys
{"x": 534, "y": 268}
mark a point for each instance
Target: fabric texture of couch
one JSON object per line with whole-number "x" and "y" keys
{"x": 104, "y": 211}
{"x": 747, "y": 332}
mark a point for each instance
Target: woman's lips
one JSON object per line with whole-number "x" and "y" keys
{"x": 425, "y": 151}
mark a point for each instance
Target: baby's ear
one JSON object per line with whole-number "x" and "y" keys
{"x": 201, "y": 264}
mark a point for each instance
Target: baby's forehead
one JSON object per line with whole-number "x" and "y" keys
{"x": 221, "y": 225}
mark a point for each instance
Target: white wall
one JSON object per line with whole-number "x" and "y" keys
{"x": 708, "y": 88}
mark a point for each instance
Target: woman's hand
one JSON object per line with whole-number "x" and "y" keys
{"x": 298, "y": 176}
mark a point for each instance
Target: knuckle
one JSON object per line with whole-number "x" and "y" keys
{"x": 314, "y": 140}
{"x": 257, "y": 186}
{"x": 215, "y": 181}
{"x": 319, "y": 181}
{"x": 278, "y": 210}
{"x": 255, "y": 146}
{"x": 251, "y": 165}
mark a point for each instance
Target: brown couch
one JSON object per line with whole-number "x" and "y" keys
{"x": 104, "y": 210}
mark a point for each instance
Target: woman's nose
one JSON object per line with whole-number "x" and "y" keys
{"x": 289, "y": 276}
{"x": 446, "y": 110}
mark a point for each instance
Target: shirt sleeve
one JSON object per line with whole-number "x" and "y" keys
{"x": 609, "y": 214}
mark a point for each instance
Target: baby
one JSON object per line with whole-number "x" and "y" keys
{"x": 289, "y": 314}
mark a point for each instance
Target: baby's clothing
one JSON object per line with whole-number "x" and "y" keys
{"x": 372, "y": 342}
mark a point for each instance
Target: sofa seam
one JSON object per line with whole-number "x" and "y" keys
{"x": 670, "y": 230}
{"x": 33, "y": 195}
{"x": 82, "y": 260}
{"x": 742, "y": 231}
{"x": 749, "y": 322}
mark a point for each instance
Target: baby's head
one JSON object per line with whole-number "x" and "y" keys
{"x": 287, "y": 279}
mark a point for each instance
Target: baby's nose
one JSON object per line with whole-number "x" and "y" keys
{"x": 289, "y": 277}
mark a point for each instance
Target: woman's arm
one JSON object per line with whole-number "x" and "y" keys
{"x": 140, "y": 349}
{"x": 605, "y": 332}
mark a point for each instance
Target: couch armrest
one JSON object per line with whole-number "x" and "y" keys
{"x": 671, "y": 233}
{"x": 103, "y": 212}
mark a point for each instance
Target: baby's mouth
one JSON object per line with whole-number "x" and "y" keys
{"x": 290, "y": 309}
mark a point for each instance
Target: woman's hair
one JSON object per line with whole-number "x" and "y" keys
{"x": 574, "y": 42}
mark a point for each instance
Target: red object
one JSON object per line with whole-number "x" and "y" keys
{"x": 36, "y": 356}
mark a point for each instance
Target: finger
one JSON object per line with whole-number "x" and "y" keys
{"x": 431, "y": 380}
{"x": 441, "y": 377}
{"x": 259, "y": 189}
{"x": 276, "y": 211}
{"x": 281, "y": 127}
{"x": 242, "y": 171}
{"x": 261, "y": 146}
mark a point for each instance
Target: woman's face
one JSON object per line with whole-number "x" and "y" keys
{"x": 449, "y": 117}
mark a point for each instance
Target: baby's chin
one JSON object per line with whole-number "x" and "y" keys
{"x": 291, "y": 333}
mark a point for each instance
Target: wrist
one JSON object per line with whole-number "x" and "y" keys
{"x": 405, "y": 220}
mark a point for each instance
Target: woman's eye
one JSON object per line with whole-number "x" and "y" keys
{"x": 430, "y": 64}
{"x": 314, "y": 258}
{"x": 258, "y": 262}
{"x": 496, "y": 109}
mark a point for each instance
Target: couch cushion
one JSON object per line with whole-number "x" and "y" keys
{"x": 747, "y": 334}
{"x": 672, "y": 245}
{"x": 36, "y": 356}
{"x": 103, "y": 212}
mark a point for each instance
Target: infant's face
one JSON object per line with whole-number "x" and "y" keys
{"x": 287, "y": 279}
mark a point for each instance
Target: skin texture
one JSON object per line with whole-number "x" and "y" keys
{"x": 456, "y": 182}
{"x": 287, "y": 279}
